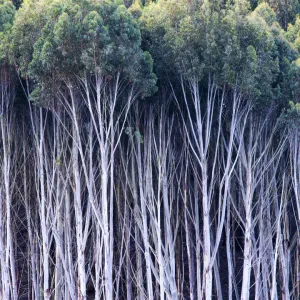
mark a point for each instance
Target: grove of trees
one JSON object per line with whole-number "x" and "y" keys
{"x": 149, "y": 150}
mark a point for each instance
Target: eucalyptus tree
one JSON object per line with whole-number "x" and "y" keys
{"x": 292, "y": 121}
{"x": 217, "y": 51}
{"x": 86, "y": 53}
{"x": 8, "y": 286}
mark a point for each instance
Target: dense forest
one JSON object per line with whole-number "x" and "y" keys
{"x": 149, "y": 150}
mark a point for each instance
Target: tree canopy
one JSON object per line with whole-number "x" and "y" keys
{"x": 239, "y": 44}
{"x": 54, "y": 41}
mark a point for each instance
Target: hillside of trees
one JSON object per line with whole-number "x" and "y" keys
{"x": 150, "y": 150}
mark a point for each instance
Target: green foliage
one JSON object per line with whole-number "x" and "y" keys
{"x": 257, "y": 34}
{"x": 134, "y": 134}
{"x": 7, "y": 11}
{"x": 54, "y": 41}
{"x": 293, "y": 34}
{"x": 154, "y": 23}
{"x": 25, "y": 31}
{"x": 77, "y": 36}
{"x": 294, "y": 108}
{"x": 136, "y": 10}
{"x": 267, "y": 13}
{"x": 17, "y": 3}
{"x": 286, "y": 11}
{"x": 291, "y": 117}
{"x": 228, "y": 43}
{"x": 6, "y": 15}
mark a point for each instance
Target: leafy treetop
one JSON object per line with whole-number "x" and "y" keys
{"x": 74, "y": 37}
